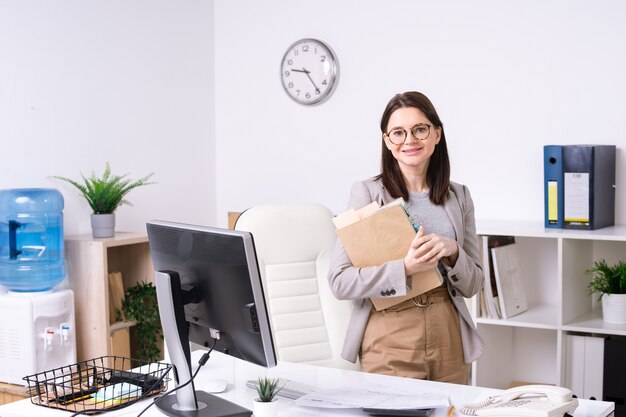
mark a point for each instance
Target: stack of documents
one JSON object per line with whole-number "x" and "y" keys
{"x": 374, "y": 235}
{"x": 504, "y": 292}
{"x": 375, "y": 396}
{"x": 511, "y": 291}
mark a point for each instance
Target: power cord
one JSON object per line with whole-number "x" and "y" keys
{"x": 203, "y": 360}
{"x": 470, "y": 409}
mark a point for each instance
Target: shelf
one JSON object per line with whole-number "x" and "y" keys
{"x": 508, "y": 228}
{"x": 536, "y": 229}
{"x": 120, "y": 239}
{"x": 537, "y": 317}
{"x": 121, "y": 325}
{"x": 591, "y": 322}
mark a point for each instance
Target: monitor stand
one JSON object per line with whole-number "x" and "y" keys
{"x": 188, "y": 402}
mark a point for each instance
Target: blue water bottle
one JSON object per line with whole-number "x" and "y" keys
{"x": 31, "y": 239}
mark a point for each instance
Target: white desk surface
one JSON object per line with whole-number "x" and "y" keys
{"x": 237, "y": 372}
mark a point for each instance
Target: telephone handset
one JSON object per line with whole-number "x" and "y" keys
{"x": 526, "y": 400}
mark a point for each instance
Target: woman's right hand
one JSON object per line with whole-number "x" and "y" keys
{"x": 415, "y": 261}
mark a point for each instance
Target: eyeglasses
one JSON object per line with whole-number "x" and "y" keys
{"x": 398, "y": 136}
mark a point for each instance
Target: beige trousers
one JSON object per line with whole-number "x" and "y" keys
{"x": 418, "y": 338}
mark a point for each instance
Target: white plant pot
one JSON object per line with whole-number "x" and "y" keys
{"x": 103, "y": 225}
{"x": 261, "y": 409}
{"x": 614, "y": 308}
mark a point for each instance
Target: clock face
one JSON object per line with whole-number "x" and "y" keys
{"x": 309, "y": 71}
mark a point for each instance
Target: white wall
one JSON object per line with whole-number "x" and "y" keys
{"x": 190, "y": 90}
{"x": 507, "y": 77}
{"x": 124, "y": 81}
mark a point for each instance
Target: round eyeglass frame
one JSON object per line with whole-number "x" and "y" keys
{"x": 406, "y": 134}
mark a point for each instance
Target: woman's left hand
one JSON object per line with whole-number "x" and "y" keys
{"x": 433, "y": 247}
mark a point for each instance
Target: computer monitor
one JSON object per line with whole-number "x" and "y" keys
{"x": 208, "y": 290}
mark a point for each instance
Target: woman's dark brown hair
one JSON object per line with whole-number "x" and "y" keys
{"x": 438, "y": 174}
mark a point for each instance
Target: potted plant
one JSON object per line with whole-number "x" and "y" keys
{"x": 610, "y": 282}
{"x": 266, "y": 404}
{"x": 104, "y": 195}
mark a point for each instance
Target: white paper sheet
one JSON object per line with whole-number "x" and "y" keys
{"x": 372, "y": 397}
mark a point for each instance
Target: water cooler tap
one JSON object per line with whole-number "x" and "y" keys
{"x": 64, "y": 332}
{"x": 48, "y": 337}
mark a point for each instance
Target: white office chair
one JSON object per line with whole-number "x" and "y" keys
{"x": 294, "y": 243}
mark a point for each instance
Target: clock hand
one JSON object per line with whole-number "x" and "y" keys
{"x": 317, "y": 90}
{"x": 305, "y": 71}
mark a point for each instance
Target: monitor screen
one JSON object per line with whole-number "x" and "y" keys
{"x": 209, "y": 292}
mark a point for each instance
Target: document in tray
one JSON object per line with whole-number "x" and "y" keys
{"x": 374, "y": 235}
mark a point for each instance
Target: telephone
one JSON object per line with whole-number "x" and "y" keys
{"x": 526, "y": 400}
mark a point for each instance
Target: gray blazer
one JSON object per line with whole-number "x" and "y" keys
{"x": 359, "y": 284}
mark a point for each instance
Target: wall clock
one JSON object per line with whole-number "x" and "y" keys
{"x": 309, "y": 71}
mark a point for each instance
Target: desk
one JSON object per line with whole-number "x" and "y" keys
{"x": 237, "y": 372}
{"x": 11, "y": 392}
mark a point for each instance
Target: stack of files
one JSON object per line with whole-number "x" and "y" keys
{"x": 374, "y": 235}
{"x": 490, "y": 289}
{"x": 504, "y": 291}
{"x": 584, "y": 366}
{"x": 509, "y": 279}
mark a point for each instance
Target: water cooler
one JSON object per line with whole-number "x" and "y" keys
{"x": 36, "y": 320}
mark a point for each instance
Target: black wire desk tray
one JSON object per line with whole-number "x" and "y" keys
{"x": 103, "y": 383}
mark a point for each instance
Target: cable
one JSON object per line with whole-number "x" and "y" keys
{"x": 203, "y": 360}
{"x": 470, "y": 409}
{"x": 168, "y": 393}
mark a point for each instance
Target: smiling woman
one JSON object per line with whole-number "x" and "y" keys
{"x": 432, "y": 335}
{"x": 415, "y": 108}
{"x": 412, "y": 150}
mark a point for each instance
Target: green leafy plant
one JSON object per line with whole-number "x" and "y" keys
{"x": 267, "y": 389}
{"x": 140, "y": 304}
{"x": 607, "y": 279}
{"x": 106, "y": 193}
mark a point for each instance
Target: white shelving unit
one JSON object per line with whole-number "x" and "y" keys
{"x": 530, "y": 347}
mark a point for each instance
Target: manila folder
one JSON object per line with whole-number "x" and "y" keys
{"x": 384, "y": 236}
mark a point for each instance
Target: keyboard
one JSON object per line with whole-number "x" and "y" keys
{"x": 290, "y": 389}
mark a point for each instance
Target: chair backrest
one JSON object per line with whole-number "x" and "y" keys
{"x": 294, "y": 243}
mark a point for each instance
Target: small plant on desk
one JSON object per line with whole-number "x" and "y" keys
{"x": 266, "y": 405}
{"x": 267, "y": 389}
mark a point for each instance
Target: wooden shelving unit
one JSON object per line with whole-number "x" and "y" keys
{"x": 89, "y": 262}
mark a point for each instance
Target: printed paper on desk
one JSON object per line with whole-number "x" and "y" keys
{"x": 384, "y": 235}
